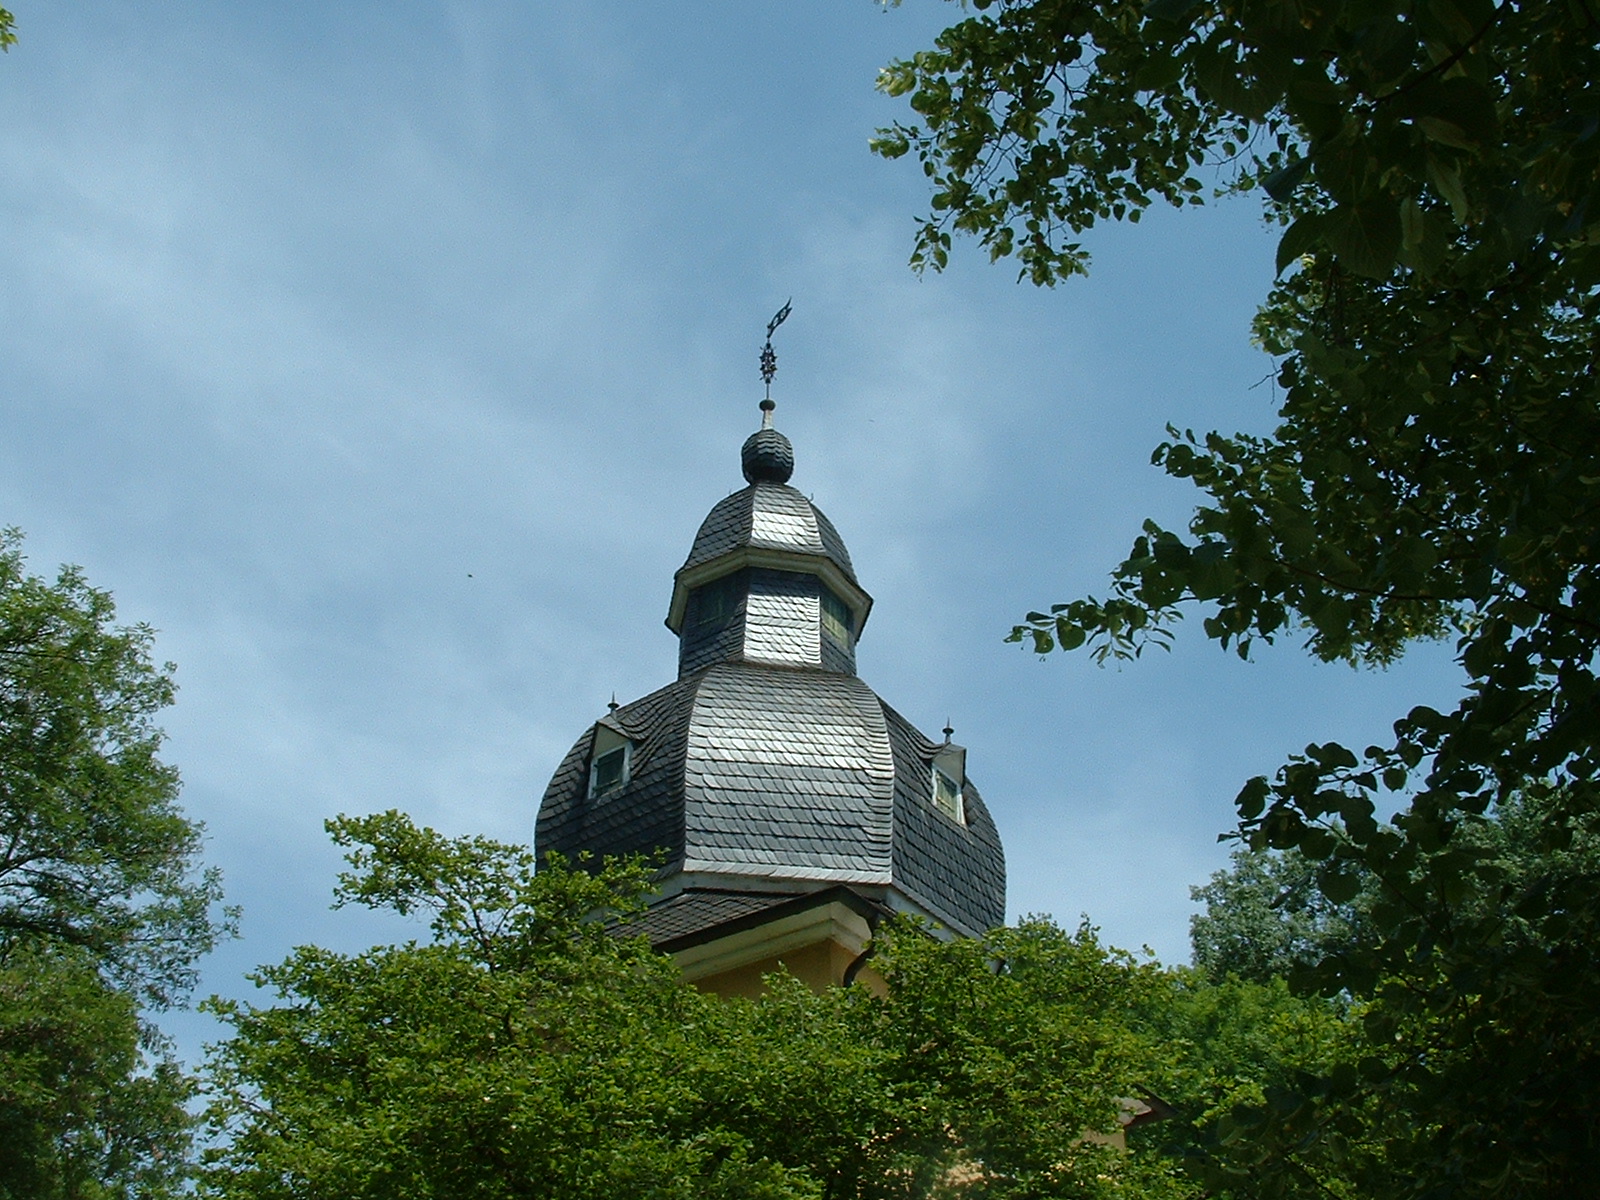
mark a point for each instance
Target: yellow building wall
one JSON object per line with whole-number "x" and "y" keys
{"x": 818, "y": 966}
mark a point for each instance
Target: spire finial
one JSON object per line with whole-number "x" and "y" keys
{"x": 613, "y": 706}
{"x": 769, "y": 363}
{"x": 949, "y": 731}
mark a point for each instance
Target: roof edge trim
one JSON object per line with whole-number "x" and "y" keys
{"x": 822, "y": 567}
{"x": 781, "y": 908}
{"x": 919, "y": 907}
{"x": 785, "y": 871}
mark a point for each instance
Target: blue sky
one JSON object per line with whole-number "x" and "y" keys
{"x": 385, "y": 358}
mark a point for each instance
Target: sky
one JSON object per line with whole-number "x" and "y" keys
{"x": 386, "y": 357}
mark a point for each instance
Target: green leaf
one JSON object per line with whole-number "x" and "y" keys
{"x": 1365, "y": 236}
{"x": 1447, "y": 182}
{"x": 1280, "y": 184}
{"x": 1252, "y": 799}
{"x": 1458, "y": 111}
{"x": 1170, "y": 10}
{"x": 1339, "y": 886}
{"x": 1069, "y": 636}
{"x": 1299, "y": 239}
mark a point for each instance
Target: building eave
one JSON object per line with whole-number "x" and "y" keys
{"x": 825, "y": 569}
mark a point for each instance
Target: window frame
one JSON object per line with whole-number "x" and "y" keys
{"x": 715, "y": 601}
{"x": 956, "y": 809}
{"x": 840, "y": 624}
{"x": 609, "y": 742}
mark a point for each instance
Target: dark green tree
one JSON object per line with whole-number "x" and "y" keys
{"x": 1435, "y": 473}
{"x": 1413, "y": 1045}
{"x": 103, "y": 906}
{"x": 86, "y": 1111}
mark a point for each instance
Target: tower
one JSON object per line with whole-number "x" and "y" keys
{"x": 792, "y": 808}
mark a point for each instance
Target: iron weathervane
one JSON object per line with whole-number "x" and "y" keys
{"x": 769, "y": 362}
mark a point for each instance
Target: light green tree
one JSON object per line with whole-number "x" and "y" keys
{"x": 103, "y": 905}
{"x": 1265, "y": 918}
{"x": 529, "y": 1050}
{"x": 1435, "y": 473}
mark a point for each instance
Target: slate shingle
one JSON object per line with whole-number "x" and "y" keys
{"x": 773, "y": 516}
{"x": 788, "y": 773}
{"x": 696, "y": 909}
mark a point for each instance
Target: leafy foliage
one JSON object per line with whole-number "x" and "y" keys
{"x": 94, "y": 851}
{"x": 1232, "y": 1048}
{"x": 1440, "y": 1034}
{"x": 83, "y": 1115}
{"x": 1266, "y": 919}
{"x": 102, "y": 908}
{"x": 1435, "y": 473}
{"x": 532, "y": 1050}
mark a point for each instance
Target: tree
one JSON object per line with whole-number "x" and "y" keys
{"x": 1447, "y": 1042}
{"x": 1265, "y": 918}
{"x": 530, "y": 1049}
{"x": 1233, "y": 1047}
{"x": 84, "y": 1113}
{"x": 1435, "y": 473}
{"x": 103, "y": 908}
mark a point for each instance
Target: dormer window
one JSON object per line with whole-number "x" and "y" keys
{"x": 836, "y": 619}
{"x": 949, "y": 777}
{"x": 611, "y": 763}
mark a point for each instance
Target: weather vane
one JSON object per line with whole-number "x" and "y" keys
{"x": 769, "y": 362}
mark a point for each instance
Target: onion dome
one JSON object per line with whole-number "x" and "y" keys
{"x": 767, "y": 457}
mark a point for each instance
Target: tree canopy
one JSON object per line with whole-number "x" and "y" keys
{"x": 95, "y": 853}
{"x": 1435, "y": 472}
{"x": 1419, "y": 1068}
{"x": 530, "y": 1049}
{"x": 103, "y": 905}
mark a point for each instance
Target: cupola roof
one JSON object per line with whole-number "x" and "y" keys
{"x": 775, "y": 781}
{"x": 768, "y": 524}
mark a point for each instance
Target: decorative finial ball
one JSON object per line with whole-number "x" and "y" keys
{"x": 767, "y": 456}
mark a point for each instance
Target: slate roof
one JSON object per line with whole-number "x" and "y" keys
{"x": 945, "y": 865}
{"x": 692, "y": 912}
{"x": 767, "y": 454}
{"x": 771, "y": 516}
{"x": 788, "y": 773}
{"x": 643, "y": 818}
{"x": 697, "y": 915}
{"x": 786, "y": 776}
